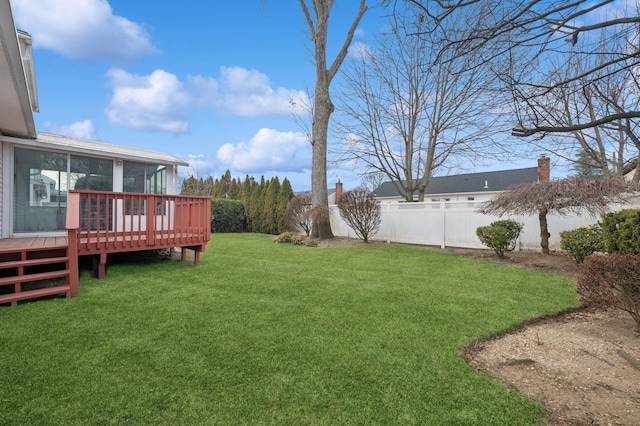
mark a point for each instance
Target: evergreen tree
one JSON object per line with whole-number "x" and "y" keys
{"x": 216, "y": 192}
{"x": 253, "y": 210}
{"x": 189, "y": 186}
{"x": 245, "y": 190}
{"x": 260, "y": 206}
{"x": 270, "y": 205}
{"x": 284, "y": 196}
{"x": 586, "y": 165}
{"x": 234, "y": 190}
{"x": 207, "y": 187}
{"x": 225, "y": 183}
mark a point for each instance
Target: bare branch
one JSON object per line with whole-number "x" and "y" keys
{"x": 522, "y": 132}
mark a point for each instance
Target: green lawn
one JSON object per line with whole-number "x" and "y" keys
{"x": 265, "y": 333}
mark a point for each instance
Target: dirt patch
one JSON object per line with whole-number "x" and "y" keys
{"x": 580, "y": 366}
{"x": 583, "y": 367}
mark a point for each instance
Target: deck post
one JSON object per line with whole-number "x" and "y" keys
{"x": 73, "y": 225}
{"x": 72, "y": 253}
{"x": 100, "y": 265}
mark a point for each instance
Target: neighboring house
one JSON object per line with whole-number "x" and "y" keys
{"x": 62, "y": 197}
{"x": 469, "y": 187}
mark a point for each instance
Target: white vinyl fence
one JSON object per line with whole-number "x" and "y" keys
{"x": 454, "y": 223}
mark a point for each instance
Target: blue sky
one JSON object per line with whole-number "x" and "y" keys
{"x": 210, "y": 82}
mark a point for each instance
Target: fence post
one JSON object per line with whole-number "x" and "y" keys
{"x": 443, "y": 215}
{"x": 387, "y": 209}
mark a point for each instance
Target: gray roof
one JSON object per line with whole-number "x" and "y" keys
{"x": 468, "y": 183}
{"x": 99, "y": 149}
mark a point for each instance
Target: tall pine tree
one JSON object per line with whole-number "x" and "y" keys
{"x": 284, "y": 196}
{"x": 270, "y": 205}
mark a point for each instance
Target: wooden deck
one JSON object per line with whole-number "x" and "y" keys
{"x": 31, "y": 268}
{"x": 32, "y": 243}
{"x": 100, "y": 223}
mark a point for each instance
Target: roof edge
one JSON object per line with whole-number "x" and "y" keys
{"x": 12, "y": 51}
{"x": 97, "y": 148}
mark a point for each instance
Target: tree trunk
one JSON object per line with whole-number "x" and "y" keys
{"x": 323, "y": 107}
{"x": 544, "y": 231}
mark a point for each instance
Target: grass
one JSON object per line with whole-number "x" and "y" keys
{"x": 265, "y": 333}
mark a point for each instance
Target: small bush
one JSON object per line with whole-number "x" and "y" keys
{"x": 609, "y": 281}
{"x": 621, "y": 231}
{"x": 297, "y": 239}
{"x": 288, "y": 237}
{"x": 311, "y": 242}
{"x": 361, "y": 212}
{"x": 582, "y": 242}
{"x": 299, "y": 213}
{"x": 500, "y": 235}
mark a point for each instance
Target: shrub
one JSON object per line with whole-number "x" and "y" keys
{"x": 582, "y": 242}
{"x": 311, "y": 242}
{"x": 361, "y": 212}
{"x": 297, "y": 239}
{"x": 227, "y": 215}
{"x": 500, "y": 235}
{"x": 287, "y": 237}
{"x": 298, "y": 212}
{"x": 621, "y": 231}
{"x": 609, "y": 281}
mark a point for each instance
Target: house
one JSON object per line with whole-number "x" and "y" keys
{"x": 469, "y": 187}
{"x": 62, "y": 197}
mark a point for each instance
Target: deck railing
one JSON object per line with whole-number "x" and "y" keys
{"x": 108, "y": 222}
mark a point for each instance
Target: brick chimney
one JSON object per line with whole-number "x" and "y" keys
{"x": 338, "y": 191}
{"x": 544, "y": 169}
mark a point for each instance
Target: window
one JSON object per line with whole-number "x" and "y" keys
{"x": 41, "y": 182}
{"x": 471, "y": 201}
{"x": 435, "y": 202}
{"x": 40, "y": 190}
{"x": 91, "y": 173}
{"x": 144, "y": 178}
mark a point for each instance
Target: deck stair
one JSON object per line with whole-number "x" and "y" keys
{"x": 31, "y": 268}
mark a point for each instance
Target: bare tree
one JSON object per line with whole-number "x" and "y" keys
{"x": 370, "y": 181}
{"x": 361, "y": 212}
{"x": 409, "y": 111}
{"x": 527, "y": 33}
{"x": 519, "y": 38}
{"x": 298, "y": 212}
{"x": 578, "y": 194}
{"x": 601, "y": 91}
{"x": 317, "y": 17}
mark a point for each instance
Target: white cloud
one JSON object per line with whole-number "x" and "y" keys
{"x": 154, "y": 102}
{"x": 360, "y": 50}
{"x": 79, "y": 129}
{"x": 160, "y": 101}
{"x": 82, "y": 29}
{"x": 267, "y": 150}
{"x": 245, "y": 93}
{"x": 199, "y": 166}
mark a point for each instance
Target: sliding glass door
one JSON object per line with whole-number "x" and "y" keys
{"x": 41, "y": 182}
{"x": 39, "y": 191}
